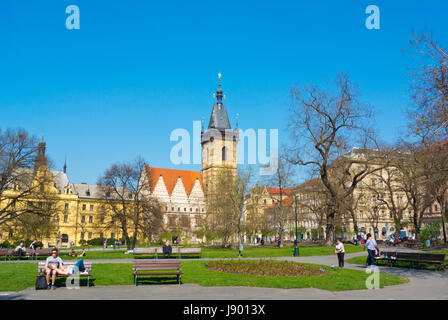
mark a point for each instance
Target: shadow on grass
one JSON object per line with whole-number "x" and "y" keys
{"x": 157, "y": 281}
{"x": 83, "y": 282}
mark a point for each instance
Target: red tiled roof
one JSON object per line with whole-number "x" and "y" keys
{"x": 170, "y": 177}
{"x": 277, "y": 191}
{"x": 286, "y": 202}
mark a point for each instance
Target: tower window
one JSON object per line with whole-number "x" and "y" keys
{"x": 223, "y": 153}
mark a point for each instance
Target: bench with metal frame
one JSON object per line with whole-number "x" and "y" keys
{"x": 68, "y": 265}
{"x": 148, "y": 268}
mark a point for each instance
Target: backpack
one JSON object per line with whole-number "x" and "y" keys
{"x": 41, "y": 283}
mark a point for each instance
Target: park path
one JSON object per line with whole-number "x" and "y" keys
{"x": 423, "y": 284}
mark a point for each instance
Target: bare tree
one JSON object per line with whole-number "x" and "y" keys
{"x": 127, "y": 200}
{"x": 435, "y": 160}
{"x": 429, "y": 113}
{"x": 27, "y": 192}
{"x": 282, "y": 181}
{"x": 325, "y": 128}
{"x": 411, "y": 165}
{"x": 226, "y": 203}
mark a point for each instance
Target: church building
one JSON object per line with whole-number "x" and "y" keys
{"x": 183, "y": 192}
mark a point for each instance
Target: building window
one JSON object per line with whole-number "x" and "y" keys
{"x": 82, "y": 235}
{"x": 65, "y": 218}
{"x": 83, "y": 219}
{"x": 197, "y": 209}
{"x": 66, "y": 206}
{"x": 102, "y": 219}
{"x": 191, "y": 209}
{"x": 172, "y": 208}
{"x": 91, "y": 207}
{"x": 84, "y": 207}
{"x": 90, "y": 219}
{"x": 101, "y": 235}
{"x": 90, "y": 235}
{"x": 112, "y": 235}
{"x": 223, "y": 153}
{"x": 178, "y": 209}
{"x": 185, "y": 209}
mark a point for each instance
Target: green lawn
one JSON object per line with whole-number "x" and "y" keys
{"x": 18, "y": 276}
{"x": 249, "y": 252}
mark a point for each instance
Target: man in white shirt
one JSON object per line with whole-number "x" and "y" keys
{"x": 371, "y": 246}
{"x": 340, "y": 251}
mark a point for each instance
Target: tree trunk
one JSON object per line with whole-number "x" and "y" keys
{"x": 329, "y": 232}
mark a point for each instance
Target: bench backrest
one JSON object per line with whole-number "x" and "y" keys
{"x": 42, "y": 252}
{"x": 431, "y": 257}
{"x": 151, "y": 250}
{"x": 190, "y": 250}
{"x": 156, "y": 265}
{"x": 66, "y": 264}
{"x": 407, "y": 255}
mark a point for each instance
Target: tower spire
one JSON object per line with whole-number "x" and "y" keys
{"x": 65, "y": 164}
{"x": 219, "y": 118}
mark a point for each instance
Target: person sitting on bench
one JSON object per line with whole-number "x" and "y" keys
{"x": 20, "y": 250}
{"x": 167, "y": 249}
{"x": 54, "y": 266}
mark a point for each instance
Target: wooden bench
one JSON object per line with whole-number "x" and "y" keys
{"x": 191, "y": 251}
{"x": 41, "y": 253}
{"x": 158, "y": 252}
{"x": 4, "y": 253}
{"x": 411, "y": 243}
{"x": 152, "y": 251}
{"x": 413, "y": 258}
{"x": 156, "y": 267}
{"x": 68, "y": 265}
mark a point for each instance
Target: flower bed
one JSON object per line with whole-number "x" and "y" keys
{"x": 265, "y": 268}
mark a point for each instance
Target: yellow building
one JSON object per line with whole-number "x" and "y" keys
{"x": 74, "y": 209}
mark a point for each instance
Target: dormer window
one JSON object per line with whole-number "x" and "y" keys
{"x": 88, "y": 193}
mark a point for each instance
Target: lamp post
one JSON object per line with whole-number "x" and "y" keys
{"x": 296, "y": 247}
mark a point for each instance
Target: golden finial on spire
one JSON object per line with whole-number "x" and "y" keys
{"x": 219, "y": 75}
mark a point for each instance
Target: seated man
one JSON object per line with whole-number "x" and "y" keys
{"x": 167, "y": 249}
{"x": 54, "y": 266}
{"x": 72, "y": 253}
{"x": 20, "y": 250}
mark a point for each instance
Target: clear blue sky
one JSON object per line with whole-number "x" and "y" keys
{"x": 136, "y": 70}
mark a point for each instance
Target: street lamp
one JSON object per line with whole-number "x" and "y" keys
{"x": 296, "y": 247}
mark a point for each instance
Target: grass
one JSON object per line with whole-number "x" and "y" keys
{"x": 248, "y": 252}
{"x": 18, "y": 276}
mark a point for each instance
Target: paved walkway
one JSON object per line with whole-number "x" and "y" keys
{"x": 423, "y": 285}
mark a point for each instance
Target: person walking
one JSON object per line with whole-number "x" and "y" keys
{"x": 340, "y": 251}
{"x": 371, "y": 246}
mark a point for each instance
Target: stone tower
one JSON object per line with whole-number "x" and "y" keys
{"x": 219, "y": 143}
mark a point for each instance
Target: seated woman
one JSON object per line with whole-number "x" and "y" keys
{"x": 83, "y": 253}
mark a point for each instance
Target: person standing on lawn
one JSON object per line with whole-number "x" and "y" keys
{"x": 371, "y": 246}
{"x": 340, "y": 251}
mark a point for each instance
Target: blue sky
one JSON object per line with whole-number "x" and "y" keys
{"x": 137, "y": 70}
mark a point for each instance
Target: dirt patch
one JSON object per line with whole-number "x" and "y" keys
{"x": 266, "y": 268}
